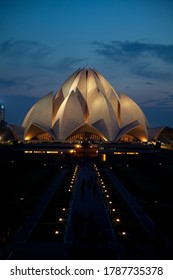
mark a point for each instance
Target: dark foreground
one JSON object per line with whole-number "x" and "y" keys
{"x": 84, "y": 208}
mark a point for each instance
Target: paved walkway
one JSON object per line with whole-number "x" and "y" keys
{"x": 89, "y": 225}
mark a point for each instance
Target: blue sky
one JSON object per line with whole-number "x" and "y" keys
{"x": 130, "y": 42}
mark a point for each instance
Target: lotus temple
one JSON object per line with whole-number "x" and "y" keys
{"x": 86, "y": 107}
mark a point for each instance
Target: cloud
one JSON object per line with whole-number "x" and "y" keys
{"x": 129, "y": 50}
{"x": 149, "y": 83}
{"x": 152, "y": 61}
{"x": 148, "y": 71}
{"x": 64, "y": 64}
{"x": 24, "y": 49}
{"x": 165, "y": 102}
{"x": 7, "y": 83}
{"x": 34, "y": 60}
{"x": 17, "y": 81}
{"x": 32, "y": 55}
{"x": 171, "y": 96}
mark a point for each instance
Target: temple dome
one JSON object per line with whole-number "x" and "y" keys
{"x": 86, "y": 104}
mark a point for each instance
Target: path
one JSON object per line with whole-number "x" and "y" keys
{"x": 89, "y": 224}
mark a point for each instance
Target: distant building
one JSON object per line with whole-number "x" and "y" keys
{"x": 2, "y": 116}
{"x": 2, "y": 112}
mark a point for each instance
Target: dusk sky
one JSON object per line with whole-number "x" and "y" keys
{"x": 130, "y": 42}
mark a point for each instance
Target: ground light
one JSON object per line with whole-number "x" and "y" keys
{"x": 62, "y": 219}
{"x": 108, "y": 199}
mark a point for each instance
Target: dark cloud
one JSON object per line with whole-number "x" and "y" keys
{"x": 149, "y": 83}
{"x": 167, "y": 92}
{"x": 151, "y": 101}
{"x": 43, "y": 56}
{"x": 171, "y": 96}
{"x": 18, "y": 81}
{"x": 65, "y": 64}
{"x": 151, "y": 61}
{"x": 7, "y": 83}
{"x": 146, "y": 70}
{"x": 166, "y": 102}
{"x": 129, "y": 50}
{"x": 24, "y": 48}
